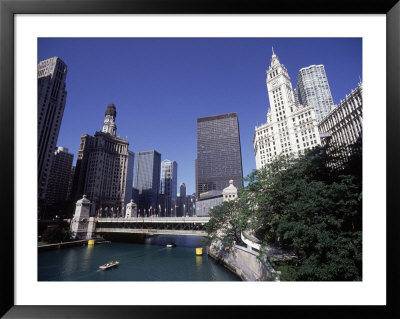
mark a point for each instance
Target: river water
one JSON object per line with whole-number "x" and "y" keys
{"x": 149, "y": 260}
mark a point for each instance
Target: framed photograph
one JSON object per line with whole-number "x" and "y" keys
{"x": 188, "y": 31}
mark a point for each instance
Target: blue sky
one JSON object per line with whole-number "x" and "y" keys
{"x": 160, "y": 86}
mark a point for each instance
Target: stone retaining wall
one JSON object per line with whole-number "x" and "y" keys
{"x": 243, "y": 262}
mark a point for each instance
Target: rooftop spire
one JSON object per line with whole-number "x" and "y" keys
{"x": 273, "y": 53}
{"x": 109, "y": 120}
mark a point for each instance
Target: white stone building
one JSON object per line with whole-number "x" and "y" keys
{"x": 343, "y": 125}
{"x": 290, "y": 128}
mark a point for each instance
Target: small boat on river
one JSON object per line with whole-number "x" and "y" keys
{"x": 109, "y": 265}
{"x": 104, "y": 242}
{"x": 170, "y": 245}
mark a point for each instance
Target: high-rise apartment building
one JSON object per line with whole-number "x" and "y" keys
{"x": 101, "y": 168}
{"x": 147, "y": 180}
{"x": 52, "y": 95}
{"x": 313, "y": 89}
{"x": 219, "y": 157}
{"x": 59, "y": 178}
{"x": 168, "y": 185}
{"x": 291, "y": 128}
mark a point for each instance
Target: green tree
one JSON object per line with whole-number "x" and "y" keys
{"x": 311, "y": 208}
{"x": 310, "y": 205}
{"x": 57, "y": 233}
{"x": 225, "y": 223}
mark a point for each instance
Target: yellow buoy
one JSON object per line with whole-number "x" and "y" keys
{"x": 91, "y": 242}
{"x": 199, "y": 251}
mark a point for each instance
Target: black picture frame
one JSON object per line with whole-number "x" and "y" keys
{"x": 8, "y": 10}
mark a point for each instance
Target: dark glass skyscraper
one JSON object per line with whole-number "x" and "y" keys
{"x": 219, "y": 156}
{"x": 59, "y": 178}
{"x": 147, "y": 179}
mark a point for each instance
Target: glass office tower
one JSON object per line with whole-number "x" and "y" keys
{"x": 219, "y": 157}
{"x": 168, "y": 187}
{"x": 147, "y": 180}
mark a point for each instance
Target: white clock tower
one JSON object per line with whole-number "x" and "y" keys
{"x": 279, "y": 85}
{"x": 290, "y": 127}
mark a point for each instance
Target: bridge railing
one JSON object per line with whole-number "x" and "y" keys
{"x": 153, "y": 219}
{"x": 197, "y": 232}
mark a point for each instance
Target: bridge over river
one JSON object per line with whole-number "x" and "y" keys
{"x": 153, "y": 225}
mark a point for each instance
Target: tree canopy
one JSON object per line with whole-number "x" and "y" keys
{"x": 307, "y": 205}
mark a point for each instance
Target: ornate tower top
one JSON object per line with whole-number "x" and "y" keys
{"x": 280, "y": 90}
{"x": 274, "y": 60}
{"x": 111, "y": 110}
{"x": 109, "y": 125}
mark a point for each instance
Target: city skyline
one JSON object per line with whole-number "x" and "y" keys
{"x": 191, "y": 78}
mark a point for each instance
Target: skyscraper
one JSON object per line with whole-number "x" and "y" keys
{"x": 313, "y": 89}
{"x": 191, "y": 204}
{"x": 71, "y": 183}
{"x": 129, "y": 177}
{"x": 182, "y": 190}
{"x": 59, "y": 177}
{"x": 291, "y": 127}
{"x": 51, "y": 103}
{"x": 169, "y": 178}
{"x": 168, "y": 184}
{"x": 219, "y": 157}
{"x": 182, "y": 201}
{"x": 147, "y": 180}
{"x": 101, "y": 168}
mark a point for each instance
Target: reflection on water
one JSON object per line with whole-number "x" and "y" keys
{"x": 199, "y": 263}
{"x": 149, "y": 260}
